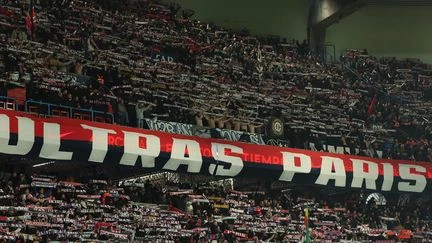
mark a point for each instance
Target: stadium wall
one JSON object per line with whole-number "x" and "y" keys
{"x": 277, "y": 17}
{"x": 386, "y": 31}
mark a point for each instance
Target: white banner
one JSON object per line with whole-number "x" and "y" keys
{"x": 191, "y": 130}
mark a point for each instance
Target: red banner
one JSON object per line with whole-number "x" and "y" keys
{"x": 19, "y": 94}
{"x": 67, "y": 139}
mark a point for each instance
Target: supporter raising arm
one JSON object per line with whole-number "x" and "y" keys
{"x": 55, "y": 64}
{"x": 142, "y": 109}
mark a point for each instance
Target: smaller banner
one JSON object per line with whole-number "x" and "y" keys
{"x": 19, "y": 94}
{"x": 275, "y": 128}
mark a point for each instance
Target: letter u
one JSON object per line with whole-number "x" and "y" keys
{"x": 26, "y": 132}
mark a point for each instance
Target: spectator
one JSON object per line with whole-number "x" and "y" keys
{"x": 122, "y": 113}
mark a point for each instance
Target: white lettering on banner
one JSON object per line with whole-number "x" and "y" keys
{"x": 26, "y": 135}
{"x": 218, "y": 152}
{"x": 178, "y": 157}
{"x": 164, "y": 58}
{"x": 326, "y": 174}
{"x": 290, "y": 168}
{"x": 405, "y": 174}
{"x": 359, "y": 175}
{"x": 132, "y": 149}
{"x": 388, "y": 177}
{"x": 51, "y": 145}
{"x": 228, "y": 159}
{"x": 99, "y": 142}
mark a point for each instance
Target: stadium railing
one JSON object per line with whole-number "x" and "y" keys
{"x": 44, "y": 109}
{"x": 8, "y": 103}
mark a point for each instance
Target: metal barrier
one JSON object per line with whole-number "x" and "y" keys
{"x": 8, "y": 103}
{"x": 105, "y": 117}
{"x": 44, "y": 109}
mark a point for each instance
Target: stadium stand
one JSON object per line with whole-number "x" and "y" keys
{"x": 46, "y": 208}
{"x": 140, "y": 63}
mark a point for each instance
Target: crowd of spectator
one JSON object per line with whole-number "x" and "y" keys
{"x": 145, "y": 59}
{"x": 42, "y": 208}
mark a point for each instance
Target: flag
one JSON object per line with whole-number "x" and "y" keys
{"x": 31, "y": 21}
{"x": 372, "y": 105}
{"x": 306, "y": 221}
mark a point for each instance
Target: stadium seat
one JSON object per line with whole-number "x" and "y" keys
{"x": 99, "y": 119}
{"x": 64, "y": 114}
{"x": 33, "y": 109}
{"x": 10, "y": 106}
{"x": 108, "y": 120}
{"x": 77, "y": 115}
{"x": 55, "y": 113}
{"x": 86, "y": 117}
